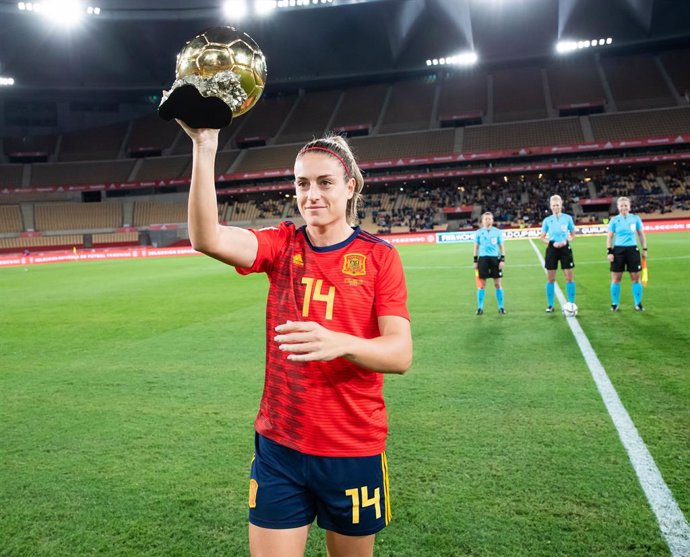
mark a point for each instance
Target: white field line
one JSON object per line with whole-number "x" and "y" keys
{"x": 674, "y": 527}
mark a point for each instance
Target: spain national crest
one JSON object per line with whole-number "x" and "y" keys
{"x": 354, "y": 264}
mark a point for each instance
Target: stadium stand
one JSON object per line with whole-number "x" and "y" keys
{"x": 97, "y": 172}
{"x": 518, "y": 94}
{"x": 409, "y": 106}
{"x": 462, "y": 93}
{"x": 77, "y": 216}
{"x": 151, "y": 134}
{"x": 642, "y": 88}
{"x": 404, "y": 144}
{"x": 93, "y": 144}
{"x": 20, "y": 243}
{"x": 360, "y": 106}
{"x": 11, "y": 218}
{"x": 11, "y": 175}
{"x": 30, "y": 144}
{"x": 310, "y": 117}
{"x": 524, "y": 134}
{"x": 151, "y": 212}
{"x": 635, "y": 125}
{"x": 157, "y": 168}
{"x": 573, "y": 81}
{"x": 404, "y": 133}
{"x": 266, "y": 117}
{"x": 676, "y": 63}
{"x": 268, "y": 158}
{"x": 116, "y": 238}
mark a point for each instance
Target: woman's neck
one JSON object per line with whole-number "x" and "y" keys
{"x": 322, "y": 236}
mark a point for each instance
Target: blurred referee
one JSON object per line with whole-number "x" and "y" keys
{"x": 489, "y": 259}
{"x": 623, "y": 253}
{"x": 558, "y": 230}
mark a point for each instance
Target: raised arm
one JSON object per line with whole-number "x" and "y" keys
{"x": 229, "y": 244}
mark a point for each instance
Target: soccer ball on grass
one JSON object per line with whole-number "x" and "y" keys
{"x": 569, "y": 309}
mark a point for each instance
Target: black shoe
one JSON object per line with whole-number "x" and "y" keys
{"x": 614, "y": 307}
{"x": 639, "y": 307}
{"x": 549, "y": 309}
{"x": 480, "y": 311}
{"x": 501, "y": 311}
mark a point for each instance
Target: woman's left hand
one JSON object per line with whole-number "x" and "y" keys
{"x": 307, "y": 341}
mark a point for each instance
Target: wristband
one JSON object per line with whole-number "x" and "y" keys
{"x": 502, "y": 258}
{"x": 644, "y": 249}
{"x": 476, "y": 259}
{"x": 609, "y": 251}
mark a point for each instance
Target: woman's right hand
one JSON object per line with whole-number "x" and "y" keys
{"x": 202, "y": 137}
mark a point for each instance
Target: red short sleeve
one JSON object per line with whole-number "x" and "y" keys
{"x": 271, "y": 241}
{"x": 391, "y": 290}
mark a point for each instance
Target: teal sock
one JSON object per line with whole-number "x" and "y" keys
{"x": 570, "y": 291}
{"x": 615, "y": 293}
{"x": 550, "y": 293}
{"x": 637, "y": 292}
{"x": 480, "y": 298}
{"x": 499, "y": 297}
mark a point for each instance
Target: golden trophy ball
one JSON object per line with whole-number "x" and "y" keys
{"x": 220, "y": 74}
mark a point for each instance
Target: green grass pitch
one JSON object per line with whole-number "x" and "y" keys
{"x": 128, "y": 391}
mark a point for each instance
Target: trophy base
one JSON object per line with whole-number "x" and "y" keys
{"x": 187, "y": 104}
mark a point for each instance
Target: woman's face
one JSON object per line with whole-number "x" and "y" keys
{"x": 623, "y": 206}
{"x": 556, "y": 206}
{"x": 487, "y": 221}
{"x": 322, "y": 190}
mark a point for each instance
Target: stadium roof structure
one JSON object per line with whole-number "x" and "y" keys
{"x": 132, "y": 44}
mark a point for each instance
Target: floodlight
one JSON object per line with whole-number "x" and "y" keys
{"x": 235, "y": 10}
{"x": 264, "y": 7}
{"x": 466, "y": 58}
{"x": 62, "y": 12}
{"x": 6, "y": 81}
{"x": 563, "y": 47}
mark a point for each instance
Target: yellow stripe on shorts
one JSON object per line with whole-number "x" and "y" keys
{"x": 388, "y": 515}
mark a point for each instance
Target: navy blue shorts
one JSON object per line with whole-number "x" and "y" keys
{"x": 289, "y": 489}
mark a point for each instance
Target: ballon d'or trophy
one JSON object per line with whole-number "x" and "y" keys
{"x": 220, "y": 74}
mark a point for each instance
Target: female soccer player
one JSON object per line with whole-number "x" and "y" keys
{"x": 336, "y": 321}
{"x": 489, "y": 259}
{"x": 558, "y": 230}
{"x": 622, "y": 252}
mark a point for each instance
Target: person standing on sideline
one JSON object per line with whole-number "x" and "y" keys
{"x": 558, "y": 230}
{"x": 336, "y": 322}
{"x": 623, "y": 253}
{"x": 489, "y": 259}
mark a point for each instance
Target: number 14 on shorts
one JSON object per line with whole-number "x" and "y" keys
{"x": 363, "y": 501}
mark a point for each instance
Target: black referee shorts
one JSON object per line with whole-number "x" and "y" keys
{"x": 488, "y": 267}
{"x": 554, "y": 255}
{"x": 626, "y": 258}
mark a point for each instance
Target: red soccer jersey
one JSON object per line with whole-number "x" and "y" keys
{"x": 330, "y": 408}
